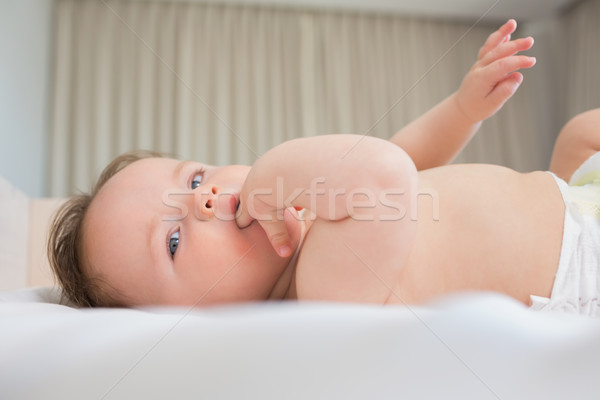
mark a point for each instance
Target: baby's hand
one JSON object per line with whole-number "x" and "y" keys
{"x": 271, "y": 219}
{"x": 493, "y": 78}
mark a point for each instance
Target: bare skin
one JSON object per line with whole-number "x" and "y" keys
{"x": 493, "y": 222}
{"x": 495, "y": 229}
{"x": 498, "y": 230}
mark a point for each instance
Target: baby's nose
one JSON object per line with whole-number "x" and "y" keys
{"x": 206, "y": 201}
{"x": 215, "y": 202}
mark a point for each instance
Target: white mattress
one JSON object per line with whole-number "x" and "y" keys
{"x": 477, "y": 346}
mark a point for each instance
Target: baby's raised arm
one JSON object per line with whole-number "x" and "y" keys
{"x": 438, "y": 136}
{"x": 578, "y": 140}
{"x": 360, "y": 190}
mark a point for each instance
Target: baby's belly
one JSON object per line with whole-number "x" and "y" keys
{"x": 483, "y": 227}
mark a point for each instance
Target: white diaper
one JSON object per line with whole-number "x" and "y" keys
{"x": 576, "y": 287}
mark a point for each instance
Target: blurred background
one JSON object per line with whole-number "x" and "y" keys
{"x": 222, "y": 81}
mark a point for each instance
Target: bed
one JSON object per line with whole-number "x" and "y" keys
{"x": 474, "y": 345}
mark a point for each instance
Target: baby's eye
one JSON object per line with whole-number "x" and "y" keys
{"x": 197, "y": 181}
{"x": 173, "y": 243}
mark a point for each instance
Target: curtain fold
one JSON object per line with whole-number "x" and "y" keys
{"x": 224, "y": 83}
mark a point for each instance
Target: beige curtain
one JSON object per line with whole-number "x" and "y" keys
{"x": 222, "y": 83}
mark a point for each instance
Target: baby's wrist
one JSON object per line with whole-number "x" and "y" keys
{"x": 461, "y": 112}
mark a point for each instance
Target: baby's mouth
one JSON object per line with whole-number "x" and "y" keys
{"x": 236, "y": 213}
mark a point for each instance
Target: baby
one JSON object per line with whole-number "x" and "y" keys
{"x": 335, "y": 217}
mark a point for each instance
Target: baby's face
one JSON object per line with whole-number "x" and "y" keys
{"x": 162, "y": 231}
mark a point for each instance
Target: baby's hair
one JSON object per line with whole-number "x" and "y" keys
{"x": 65, "y": 243}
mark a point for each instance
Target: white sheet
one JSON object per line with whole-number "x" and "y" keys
{"x": 479, "y": 346}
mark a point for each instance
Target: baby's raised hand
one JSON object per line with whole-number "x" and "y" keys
{"x": 271, "y": 219}
{"x": 493, "y": 79}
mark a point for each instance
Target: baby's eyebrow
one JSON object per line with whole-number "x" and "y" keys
{"x": 180, "y": 167}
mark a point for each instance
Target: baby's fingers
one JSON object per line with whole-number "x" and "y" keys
{"x": 242, "y": 215}
{"x": 499, "y": 69}
{"x": 507, "y": 49}
{"x": 278, "y": 235}
{"x": 497, "y": 37}
{"x": 270, "y": 219}
{"x": 505, "y": 89}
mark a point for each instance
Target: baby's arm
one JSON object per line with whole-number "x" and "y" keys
{"x": 361, "y": 196}
{"x": 578, "y": 140}
{"x": 438, "y": 136}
